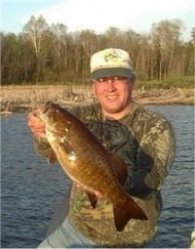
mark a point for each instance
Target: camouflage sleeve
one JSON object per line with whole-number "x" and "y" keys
{"x": 154, "y": 157}
{"x": 85, "y": 112}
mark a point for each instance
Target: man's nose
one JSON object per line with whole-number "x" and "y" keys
{"x": 110, "y": 84}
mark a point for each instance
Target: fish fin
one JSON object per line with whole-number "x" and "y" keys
{"x": 52, "y": 157}
{"x": 128, "y": 210}
{"x": 119, "y": 168}
{"x": 93, "y": 199}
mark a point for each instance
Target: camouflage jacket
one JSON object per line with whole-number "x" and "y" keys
{"x": 145, "y": 141}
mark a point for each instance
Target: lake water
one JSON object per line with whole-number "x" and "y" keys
{"x": 31, "y": 190}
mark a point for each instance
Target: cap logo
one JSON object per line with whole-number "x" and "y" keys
{"x": 111, "y": 57}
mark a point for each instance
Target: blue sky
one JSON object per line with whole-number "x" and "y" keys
{"x": 13, "y": 12}
{"x": 98, "y": 15}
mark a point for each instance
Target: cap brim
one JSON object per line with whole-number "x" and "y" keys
{"x": 107, "y": 72}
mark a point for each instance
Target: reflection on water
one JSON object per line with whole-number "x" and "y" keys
{"x": 31, "y": 189}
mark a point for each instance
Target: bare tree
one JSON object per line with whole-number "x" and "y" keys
{"x": 36, "y": 31}
{"x": 165, "y": 37}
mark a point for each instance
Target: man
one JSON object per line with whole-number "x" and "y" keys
{"x": 142, "y": 139}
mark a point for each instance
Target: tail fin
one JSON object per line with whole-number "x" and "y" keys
{"x": 128, "y": 210}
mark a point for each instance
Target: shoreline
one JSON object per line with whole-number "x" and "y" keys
{"x": 26, "y": 98}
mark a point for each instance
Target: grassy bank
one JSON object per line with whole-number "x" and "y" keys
{"x": 174, "y": 81}
{"x": 15, "y": 98}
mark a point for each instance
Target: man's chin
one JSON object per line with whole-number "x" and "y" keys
{"x": 112, "y": 110}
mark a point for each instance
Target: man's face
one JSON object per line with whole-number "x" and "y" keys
{"x": 113, "y": 93}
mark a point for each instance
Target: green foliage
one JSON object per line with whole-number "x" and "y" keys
{"x": 44, "y": 54}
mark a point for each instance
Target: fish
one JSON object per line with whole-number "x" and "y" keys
{"x": 86, "y": 161}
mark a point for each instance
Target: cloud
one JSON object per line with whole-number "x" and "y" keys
{"x": 124, "y": 14}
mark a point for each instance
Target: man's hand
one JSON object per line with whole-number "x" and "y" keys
{"x": 96, "y": 192}
{"x": 35, "y": 124}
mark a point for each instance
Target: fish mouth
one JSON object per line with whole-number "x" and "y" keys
{"x": 47, "y": 115}
{"x": 51, "y": 115}
{"x": 47, "y": 112}
{"x": 48, "y": 106}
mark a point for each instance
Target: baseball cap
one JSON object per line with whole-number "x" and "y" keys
{"x": 111, "y": 62}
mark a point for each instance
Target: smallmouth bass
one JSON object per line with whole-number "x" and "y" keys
{"x": 86, "y": 162}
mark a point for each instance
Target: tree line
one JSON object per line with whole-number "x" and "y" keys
{"x": 50, "y": 54}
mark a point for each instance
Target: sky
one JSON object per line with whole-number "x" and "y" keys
{"x": 98, "y": 15}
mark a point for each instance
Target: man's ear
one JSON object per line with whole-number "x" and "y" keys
{"x": 132, "y": 81}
